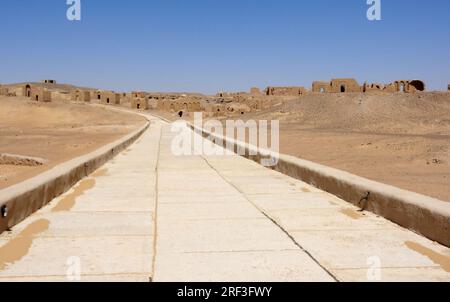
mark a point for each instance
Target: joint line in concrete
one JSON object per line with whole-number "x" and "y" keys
{"x": 155, "y": 222}
{"x": 273, "y": 221}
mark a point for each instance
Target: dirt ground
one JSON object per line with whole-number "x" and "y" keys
{"x": 55, "y": 132}
{"x": 397, "y": 139}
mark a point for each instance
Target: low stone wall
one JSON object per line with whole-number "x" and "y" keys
{"x": 21, "y": 200}
{"x": 427, "y": 216}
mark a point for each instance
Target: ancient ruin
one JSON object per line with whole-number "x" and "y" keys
{"x": 110, "y": 98}
{"x": 180, "y": 105}
{"x": 321, "y": 87}
{"x": 49, "y": 81}
{"x": 81, "y": 96}
{"x": 96, "y": 95}
{"x": 344, "y": 86}
{"x": 139, "y": 103}
{"x": 26, "y": 90}
{"x": 139, "y": 94}
{"x": 39, "y": 94}
{"x": 255, "y": 91}
{"x": 374, "y": 87}
{"x": 4, "y": 91}
{"x": 286, "y": 91}
{"x": 351, "y": 85}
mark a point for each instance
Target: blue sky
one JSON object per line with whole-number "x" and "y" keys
{"x": 213, "y": 45}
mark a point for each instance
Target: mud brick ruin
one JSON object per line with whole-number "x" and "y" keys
{"x": 81, "y": 96}
{"x": 49, "y": 81}
{"x": 286, "y": 91}
{"x": 41, "y": 95}
{"x": 4, "y": 91}
{"x": 351, "y": 85}
{"x": 96, "y": 95}
{"x": 222, "y": 104}
{"x": 110, "y": 98}
{"x": 255, "y": 91}
{"x": 336, "y": 86}
{"x": 139, "y": 103}
{"x": 38, "y": 94}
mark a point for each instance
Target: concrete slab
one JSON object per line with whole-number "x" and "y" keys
{"x": 420, "y": 274}
{"x": 96, "y": 255}
{"x": 208, "y": 211}
{"x": 99, "y": 224}
{"x": 348, "y": 218}
{"x": 353, "y": 249}
{"x": 203, "y": 198}
{"x": 85, "y": 278}
{"x": 269, "y": 202}
{"x": 267, "y": 266}
{"x": 213, "y": 235}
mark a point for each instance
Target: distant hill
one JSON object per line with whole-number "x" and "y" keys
{"x": 51, "y": 87}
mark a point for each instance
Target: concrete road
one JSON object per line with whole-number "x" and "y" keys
{"x": 149, "y": 215}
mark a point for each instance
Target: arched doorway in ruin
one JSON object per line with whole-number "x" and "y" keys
{"x": 418, "y": 85}
{"x": 343, "y": 89}
{"x": 28, "y": 91}
{"x": 401, "y": 86}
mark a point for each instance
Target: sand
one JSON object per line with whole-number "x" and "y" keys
{"x": 55, "y": 132}
{"x": 398, "y": 139}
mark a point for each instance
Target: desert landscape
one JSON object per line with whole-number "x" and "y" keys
{"x": 53, "y": 133}
{"x": 398, "y": 139}
{"x": 397, "y": 134}
{"x": 225, "y": 149}
{"x": 381, "y": 132}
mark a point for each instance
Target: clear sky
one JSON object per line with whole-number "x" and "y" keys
{"x": 230, "y": 45}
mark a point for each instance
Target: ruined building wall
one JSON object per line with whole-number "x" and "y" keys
{"x": 39, "y": 94}
{"x": 321, "y": 87}
{"x": 255, "y": 91}
{"x": 26, "y": 90}
{"x": 180, "y": 105}
{"x": 81, "y": 96}
{"x": 407, "y": 86}
{"x": 285, "y": 91}
{"x": 139, "y": 103}
{"x": 4, "y": 91}
{"x": 96, "y": 95}
{"x": 108, "y": 97}
{"x": 374, "y": 87}
{"x": 344, "y": 86}
{"x": 139, "y": 94}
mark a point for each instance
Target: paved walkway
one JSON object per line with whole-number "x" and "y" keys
{"x": 149, "y": 215}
